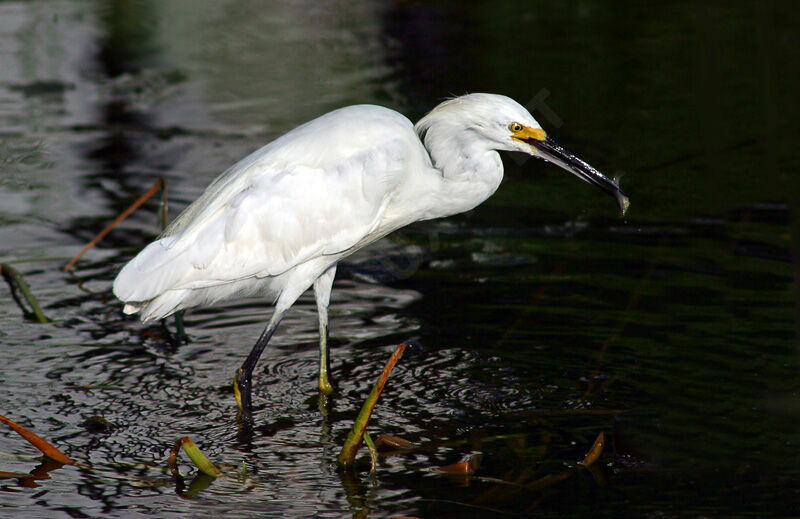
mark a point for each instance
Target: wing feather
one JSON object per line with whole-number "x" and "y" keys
{"x": 266, "y": 216}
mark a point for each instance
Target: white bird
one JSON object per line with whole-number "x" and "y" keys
{"x": 281, "y": 219}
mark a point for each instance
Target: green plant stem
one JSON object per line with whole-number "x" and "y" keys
{"x": 14, "y": 278}
{"x": 198, "y": 458}
{"x": 348, "y": 454}
{"x": 373, "y": 453}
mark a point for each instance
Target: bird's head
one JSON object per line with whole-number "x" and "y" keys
{"x": 506, "y": 125}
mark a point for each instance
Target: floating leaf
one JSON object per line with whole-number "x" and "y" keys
{"x": 46, "y": 449}
{"x": 461, "y": 472}
{"x": 387, "y": 441}
{"x": 462, "y": 468}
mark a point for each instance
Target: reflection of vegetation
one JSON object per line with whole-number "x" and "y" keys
{"x": 131, "y": 35}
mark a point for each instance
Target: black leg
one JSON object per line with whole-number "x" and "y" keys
{"x": 180, "y": 331}
{"x": 243, "y": 378}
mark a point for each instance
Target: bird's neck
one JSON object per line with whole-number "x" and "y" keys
{"x": 471, "y": 172}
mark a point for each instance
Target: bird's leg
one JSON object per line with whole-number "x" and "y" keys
{"x": 322, "y": 293}
{"x": 325, "y": 386}
{"x": 180, "y": 330}
{"x": 242, "y": 380}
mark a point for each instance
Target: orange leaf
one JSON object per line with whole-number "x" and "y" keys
{"x": 7, "y": 475}
{"x": 597, "y": 449}
{"x": 46, "y": 449}
{"x": 463, "y": 468}
{"x": 172, "y": 460}
{"x": 387, "y": 441}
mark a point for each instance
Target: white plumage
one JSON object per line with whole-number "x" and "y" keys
{"x": 279, "y": 220}
{"x": 316, "y": 192}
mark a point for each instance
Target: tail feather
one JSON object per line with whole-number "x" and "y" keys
{"x": 168, "y": 262}
{"x": 148, "y": 274}
{"x": 131, "y": 308}
{"x": 159, "y": 307}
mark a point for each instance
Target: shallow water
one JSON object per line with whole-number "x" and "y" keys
{"x": 543, "y": 319}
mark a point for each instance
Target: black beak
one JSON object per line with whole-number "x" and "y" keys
{"x": 550, "y": 150}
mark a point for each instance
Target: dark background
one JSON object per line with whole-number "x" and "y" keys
{"x": 544, "y": 319}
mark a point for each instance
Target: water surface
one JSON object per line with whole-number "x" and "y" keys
{"x": 543, "y": 318}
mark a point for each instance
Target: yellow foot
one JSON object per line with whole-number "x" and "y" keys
{"x": 325, "y": 386}
{"x": 236, "y": 391}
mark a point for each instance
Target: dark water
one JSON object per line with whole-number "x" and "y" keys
{"x": 544, "y": 319}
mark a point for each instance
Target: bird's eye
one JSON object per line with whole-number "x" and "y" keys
{"x": 515, "y": 127}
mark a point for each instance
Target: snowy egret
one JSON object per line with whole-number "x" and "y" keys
{"x": 280, "y": 220}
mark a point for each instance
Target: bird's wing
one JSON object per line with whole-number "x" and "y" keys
{"x": 263, "y": 221}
